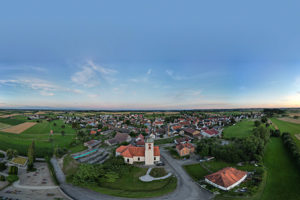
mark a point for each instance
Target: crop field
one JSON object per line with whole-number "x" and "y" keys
{"x": 292, "y": 128}
{"x": 2, "y": 125}
{"x": 17, "y": 129}
{"x": 10, "y": 115}
{"x": 40, "y": 133}
{"x": 240, "y": 129}
{"x": 11, "y": 121}
{"x": 289, "y": 119}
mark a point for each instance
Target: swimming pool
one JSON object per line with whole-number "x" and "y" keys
{"x": 87, "y": 153}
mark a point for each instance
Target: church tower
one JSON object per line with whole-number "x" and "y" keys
{"x": 149, "y": 151}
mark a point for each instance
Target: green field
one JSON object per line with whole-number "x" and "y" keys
{"x": 292, "y": 128}
{"x": 40, "y": 134}
{"x": 283, "y": 177}
{"x": 130, "y": 186}
{"x": 11, "y": 121}
{"x": 2, "y": 125}
{"x": 240, "y": 129}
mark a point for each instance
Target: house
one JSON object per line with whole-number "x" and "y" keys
{"x": 182, "y": 140}
{"x": 210, "y": 133}
{"x": 185, "y": 149}
{"x": 91, "y": 144}
{"x": 191, "y": 132}
{"x": 226, "y": 178}
{"x": 147, "y": 154}
{"x": 119, "y": 138}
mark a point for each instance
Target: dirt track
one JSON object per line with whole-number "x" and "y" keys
{"x": 19, "y": 128}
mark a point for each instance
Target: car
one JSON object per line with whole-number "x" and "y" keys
{"x": 160, "y": 163}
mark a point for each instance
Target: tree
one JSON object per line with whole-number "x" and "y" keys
{"x": 11, "y": 153}
{"x": 54, "y": 124}
{"x": 63, "y": 126}
{"x": 63, "y": 133}
{"x": 111, "y": 177}
{"x": 31, "y": 156}
{"x": 257, "y": 123}
{"x": 264, "y": 119}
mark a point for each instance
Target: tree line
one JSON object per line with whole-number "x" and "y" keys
{"x": 291, "y": 145}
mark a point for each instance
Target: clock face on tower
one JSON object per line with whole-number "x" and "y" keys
{"x": 149, "y": 146}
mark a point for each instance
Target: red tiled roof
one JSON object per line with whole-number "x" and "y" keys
{"x": 226, "y": 177}
{"x": 186, "y": 145}
{"x": 131, "y": 151}
{"x": 93, "y": 132}
{"x": 211, "y": 132}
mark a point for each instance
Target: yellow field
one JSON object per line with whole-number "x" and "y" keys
{"x": 19, "y": 128}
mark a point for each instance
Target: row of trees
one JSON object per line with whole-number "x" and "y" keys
{"x": 291, "y": 146}
{"x": 239, "y": 149}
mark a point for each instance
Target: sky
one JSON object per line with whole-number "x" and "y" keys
{"x": 149, "y": 54}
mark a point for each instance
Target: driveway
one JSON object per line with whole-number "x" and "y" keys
{"x": 186, "y": 189}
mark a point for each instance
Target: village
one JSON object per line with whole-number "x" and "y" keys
{"x": 158, "y": 146}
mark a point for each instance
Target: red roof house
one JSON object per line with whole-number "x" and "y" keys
{"x": 226, "y": 178}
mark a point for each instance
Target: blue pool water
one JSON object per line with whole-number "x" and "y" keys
{"x": 85, "y": 154}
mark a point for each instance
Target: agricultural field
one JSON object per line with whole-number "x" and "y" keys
{"x": 40, "y": 133}
{"x": 3, "y": 126}
{"x": 17, "y": 129}
{"x": 292, "y": 128}
{"x": 240, "y": 129}
{"x": 12, "y": 121}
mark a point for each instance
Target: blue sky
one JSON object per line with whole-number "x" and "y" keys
{"x": 149, "y": 54}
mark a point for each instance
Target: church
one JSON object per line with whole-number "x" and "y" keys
{"x": 149, "y": 154}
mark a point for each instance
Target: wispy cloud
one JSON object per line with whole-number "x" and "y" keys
{"x": 174, "y": 76}
{"x": 91, "y": 73}
{"x": 149, "y": 71}
{"x": 45, "y": 88}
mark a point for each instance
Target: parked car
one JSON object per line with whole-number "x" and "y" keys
{"x": 160, "y": 163}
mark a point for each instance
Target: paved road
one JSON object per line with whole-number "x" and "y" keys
{"x": 186, "y": 189}
{"x": 17, "y": 185}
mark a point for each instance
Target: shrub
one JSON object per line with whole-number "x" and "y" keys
{"x": 291, "y": 146}
{"x": 12, "y": 178}
{"x": 158, "y": 172}
{"x": 2, "y": 166}
{"x": 2, "y": 155}
{"x": 13, "y": 170}
{"x": 2, "y": 178}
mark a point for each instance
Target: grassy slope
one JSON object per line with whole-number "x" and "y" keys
{"x": 288, "y": 127}
{"x": 241, "y": 129}
{"x": 40, "y": 134}
{"x": 130, "y": 186}
{"x": 283, "y": 178}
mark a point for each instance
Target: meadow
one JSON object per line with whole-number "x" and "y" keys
{"x": 285, "y": 126}
{"x": 241, "y": 129}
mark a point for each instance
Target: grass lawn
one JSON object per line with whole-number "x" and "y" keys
{"x": 40, "y": 134}
{"x": 240, "y": 129}
{"x": 288, "y": 127}
{"x": 130, "y": 186}
{"x": 283, "y": 177}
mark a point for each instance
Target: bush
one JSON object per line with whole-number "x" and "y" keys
{"x": 12, "y": 178}
{"x": 158, "y": 172}
{"x": 2, "y": 166}
{"x": 2, "y": 155}
{"x": 2, "y": 178}
{"x": 13, "y": 170}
